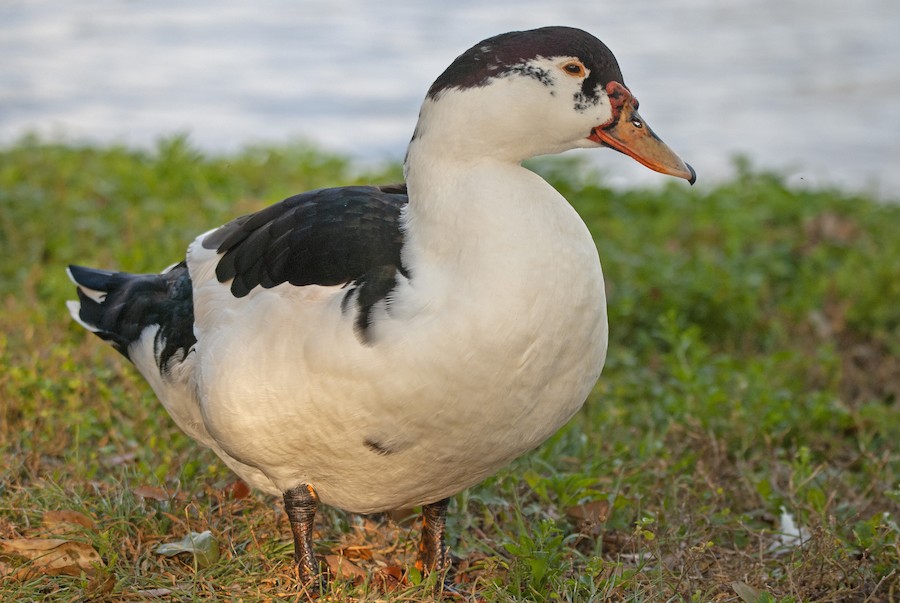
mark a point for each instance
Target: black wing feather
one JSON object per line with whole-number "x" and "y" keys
{"x": 324, "y": 237}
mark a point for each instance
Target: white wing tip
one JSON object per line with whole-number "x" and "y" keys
{"x": 75, "y": 311}
{"x": 97, "y": 296}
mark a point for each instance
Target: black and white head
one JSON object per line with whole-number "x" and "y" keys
{"x": 536, "y": 92}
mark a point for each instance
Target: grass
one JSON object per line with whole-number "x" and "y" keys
{"x": 753, "y": 378}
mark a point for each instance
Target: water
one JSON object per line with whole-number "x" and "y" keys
{"x": 810, "y": 88}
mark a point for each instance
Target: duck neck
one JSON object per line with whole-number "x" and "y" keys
{"x": 481, "y": 219}
{"x": 455, "y": 201}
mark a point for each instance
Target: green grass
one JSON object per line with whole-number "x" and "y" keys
{"x": 753, "y": 370}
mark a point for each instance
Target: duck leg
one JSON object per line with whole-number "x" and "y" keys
{"x": 300, "y": 505}
{"x": 433, "y": 553}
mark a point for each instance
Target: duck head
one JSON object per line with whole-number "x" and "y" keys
{"x": 538, "y": 92}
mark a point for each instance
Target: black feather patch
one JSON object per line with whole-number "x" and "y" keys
{"x": 324, "y": 237}
{"x": 508, "y": 53}
{"x": 369, "y": 289}
{"x": 377, "y": 447}
{"x": 133, "y": 302}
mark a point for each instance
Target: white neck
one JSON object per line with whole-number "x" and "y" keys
{"x": 464, "y": 213}
{"x": 485, "y": 225}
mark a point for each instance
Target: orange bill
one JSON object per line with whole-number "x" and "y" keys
{"x": 629, "y": 134}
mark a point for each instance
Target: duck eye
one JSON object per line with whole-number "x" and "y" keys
{"x": 574, "y": 69}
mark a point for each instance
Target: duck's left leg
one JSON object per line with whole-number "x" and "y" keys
{"x": 300, "y": 504}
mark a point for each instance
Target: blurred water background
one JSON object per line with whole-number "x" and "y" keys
{"x": 810, "y": 88}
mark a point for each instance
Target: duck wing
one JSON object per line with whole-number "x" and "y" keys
{"x": 326, "y": 237}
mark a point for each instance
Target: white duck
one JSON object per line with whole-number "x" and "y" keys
{"x": 376, "y": 348}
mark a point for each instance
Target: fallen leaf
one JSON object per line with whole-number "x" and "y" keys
{"x": 238, "y": 489}
{"x": 152, "y": 492}
{"x": 64, "y": 521}
{"x": 344, "y": 569}
{"x": 748, "y": 594}
{"x": 117, "y": 460}
{"x": 155, "y": 592}
{"x": 357, "y": 552}
{"x": 203, "y": 546}
{"x": 589, "y": 517}
{"x": 596, "y": 511}
{"x": 51, "y": 557}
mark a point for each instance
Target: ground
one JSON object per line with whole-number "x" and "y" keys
{"x": 741, "y": 444}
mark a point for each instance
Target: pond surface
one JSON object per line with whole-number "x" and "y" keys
{"x": 810, "y": 88}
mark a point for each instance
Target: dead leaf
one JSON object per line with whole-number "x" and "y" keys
{"x": 152, "y": 492}
{"x": 238, "y": 489}
{"x": 51, "y": 557}
{"x": 117, "y": 460}
{"x": 344, "y": 569}
{"x": 155, "y": 592}
{"x": 589, "y": 517}
{"x": 357, "y": 552}
{"x": 203, "y": 546}
{"x": 65, "y": 521}
{"x": 595, "y": 511}
{"x": 747, "y": 593}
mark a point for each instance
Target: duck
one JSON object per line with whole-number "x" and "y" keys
{"x": 384, "y": 347}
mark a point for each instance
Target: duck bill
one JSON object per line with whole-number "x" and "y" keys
{"x": 631, "y": 135}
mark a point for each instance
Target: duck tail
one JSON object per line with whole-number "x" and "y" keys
{"x": 126, "y": 309}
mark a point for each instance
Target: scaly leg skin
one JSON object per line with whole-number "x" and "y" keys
{"x": 433, "y": 553}
{"x": 300, "y": 505}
